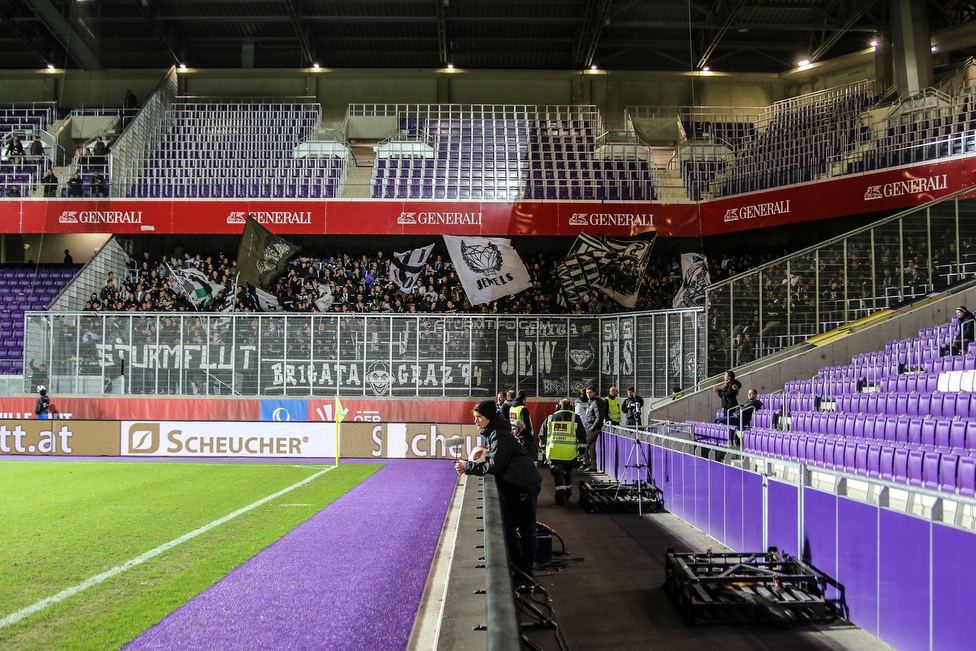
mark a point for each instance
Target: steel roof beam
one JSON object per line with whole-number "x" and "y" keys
{"x": 62, "y": 32}
{"x": 305, "y": 39}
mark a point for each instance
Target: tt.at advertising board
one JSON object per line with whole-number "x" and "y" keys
{"x": 59, "y": 438}
{"x": 227, "y": 439}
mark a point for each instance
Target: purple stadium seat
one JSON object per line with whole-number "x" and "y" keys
{"x": 844, "y": 453}
{"x": 901, "y": 429}
{"x": 901, "y": 403}
{"x": 795, "y": 443}
{"x": 858, "y": 430}
{"x": 818, "y": 451}
{"x": 809, "y": 449}
{"x": 927, "y": 437}
{"x": 873, "y": 461}
{"x": 916, "y": 459}
{"x": 942, "y": 433}
{"x": 900, "y": 466}
{"x": 963, "y": 402}
{"x": 871, "y": 404}
{"x": 830, "y": 447}
{"x": 930, "y": 470}
{"x": 936, "y": 404}
{"x": 915, "y": 432}
{"x": 860, "y": 458}
{"x": 948, "y": 465}
{"x": 887, "y": 463}
{"x": 830, "y": 425}
{"x": 966, "y": 476}
{"x": 957, "y": 435}
{"x": 913, "y": 404}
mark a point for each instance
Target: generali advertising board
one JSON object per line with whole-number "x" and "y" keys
{"x": 854, "y": 194}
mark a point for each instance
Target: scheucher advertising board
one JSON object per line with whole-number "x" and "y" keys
{"x": 227, "y": 439}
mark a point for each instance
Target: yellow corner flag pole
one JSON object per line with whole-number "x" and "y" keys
{"x": 340, "y": 413}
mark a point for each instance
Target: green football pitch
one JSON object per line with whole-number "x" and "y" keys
{"x": 92, "y": 553}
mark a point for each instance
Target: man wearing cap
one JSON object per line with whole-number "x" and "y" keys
{"x": 43, "y": 404}
{"x": 518, "y": 481}
{"x": 563, "y": 439}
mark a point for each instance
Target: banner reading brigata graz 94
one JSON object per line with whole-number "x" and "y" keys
{"x": 321, "y": 355}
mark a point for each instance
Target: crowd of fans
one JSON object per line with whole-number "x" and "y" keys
{"x": 361, "y": 282}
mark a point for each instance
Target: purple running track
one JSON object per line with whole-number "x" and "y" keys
{"x": 349, "y": 578}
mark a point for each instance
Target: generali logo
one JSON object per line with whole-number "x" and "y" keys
{"x": 100, "y": 217}
{"x": 143, "y": 438}
{"x": 611, "y": 219}
{"x": 275, "y": 217}
{"x": 910, "y": 186}
{"x": 758, "y": 210}
{"x": 440, "y": 218}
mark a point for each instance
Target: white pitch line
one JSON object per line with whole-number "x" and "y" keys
{"x": 13, "y": 618}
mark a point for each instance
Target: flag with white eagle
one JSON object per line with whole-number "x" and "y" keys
{"x": 489, "y": 268}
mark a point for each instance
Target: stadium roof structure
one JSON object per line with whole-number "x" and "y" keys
{"x": 737, "y": 36}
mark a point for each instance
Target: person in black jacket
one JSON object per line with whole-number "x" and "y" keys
{"x": 76, "y": 187}
{"x": 50, "y": 183}
{"x": 518, "y": 480}
{"x": 729, "y": 392}
{"x": 43, "y": 405}
{"x": 964, "y": 336}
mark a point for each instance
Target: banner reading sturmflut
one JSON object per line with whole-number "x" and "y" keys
{"x": 488, "y": 267}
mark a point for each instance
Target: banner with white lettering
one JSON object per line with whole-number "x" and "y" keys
{"x": 407, "y": 267}
{"x": 694, "y": 280}
{"x": 622, "y": 275}
{"x": 262, "y": 255}
{"x": 489, "y": 268}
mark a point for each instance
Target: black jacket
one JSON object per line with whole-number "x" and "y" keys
{"x": 507, "y": 459}
{"x": 729, "y": 393}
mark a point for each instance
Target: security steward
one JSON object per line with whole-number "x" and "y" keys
{"x": 613, "y": 406}
{"x": 517, "y": 412}
{"x": 563, "y": 437}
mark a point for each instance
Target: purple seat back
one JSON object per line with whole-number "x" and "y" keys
{"x": 914, "y": 432}
{"x": 809, "y": 449}
{"x": 831, "y": 424}
{"x": 890, "y": 428}
{"x": 901, "y": 403}
{"x": 966, "y": 476}
{"x": 829, "y": 447}
{"x": 850, "y": 457}
{"x": 915, "y": 467}
{"x": 872, "y": 403}
{"x": 818, "y": 451}
{"x": 887, "y": 463}
{"x": 942, "y": 433}
{"x": 859, "y": 425}
{"x": 948, "y": 465}
{"x": 861, "y": 458}
{"x": 912, "y": 409}
{"x": 874, "y": 461}
{"x": 930, "y": 470}
{"x": 928, "y": 433}
{"x": 963, "y": 402}
{"x": 900, "y": 466}
{"x": 957, "y": 434}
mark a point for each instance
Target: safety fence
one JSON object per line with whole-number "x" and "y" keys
{"x": 359, "y": 354}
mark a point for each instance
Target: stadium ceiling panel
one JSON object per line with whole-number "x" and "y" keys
{"x": 768, "y": 36}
